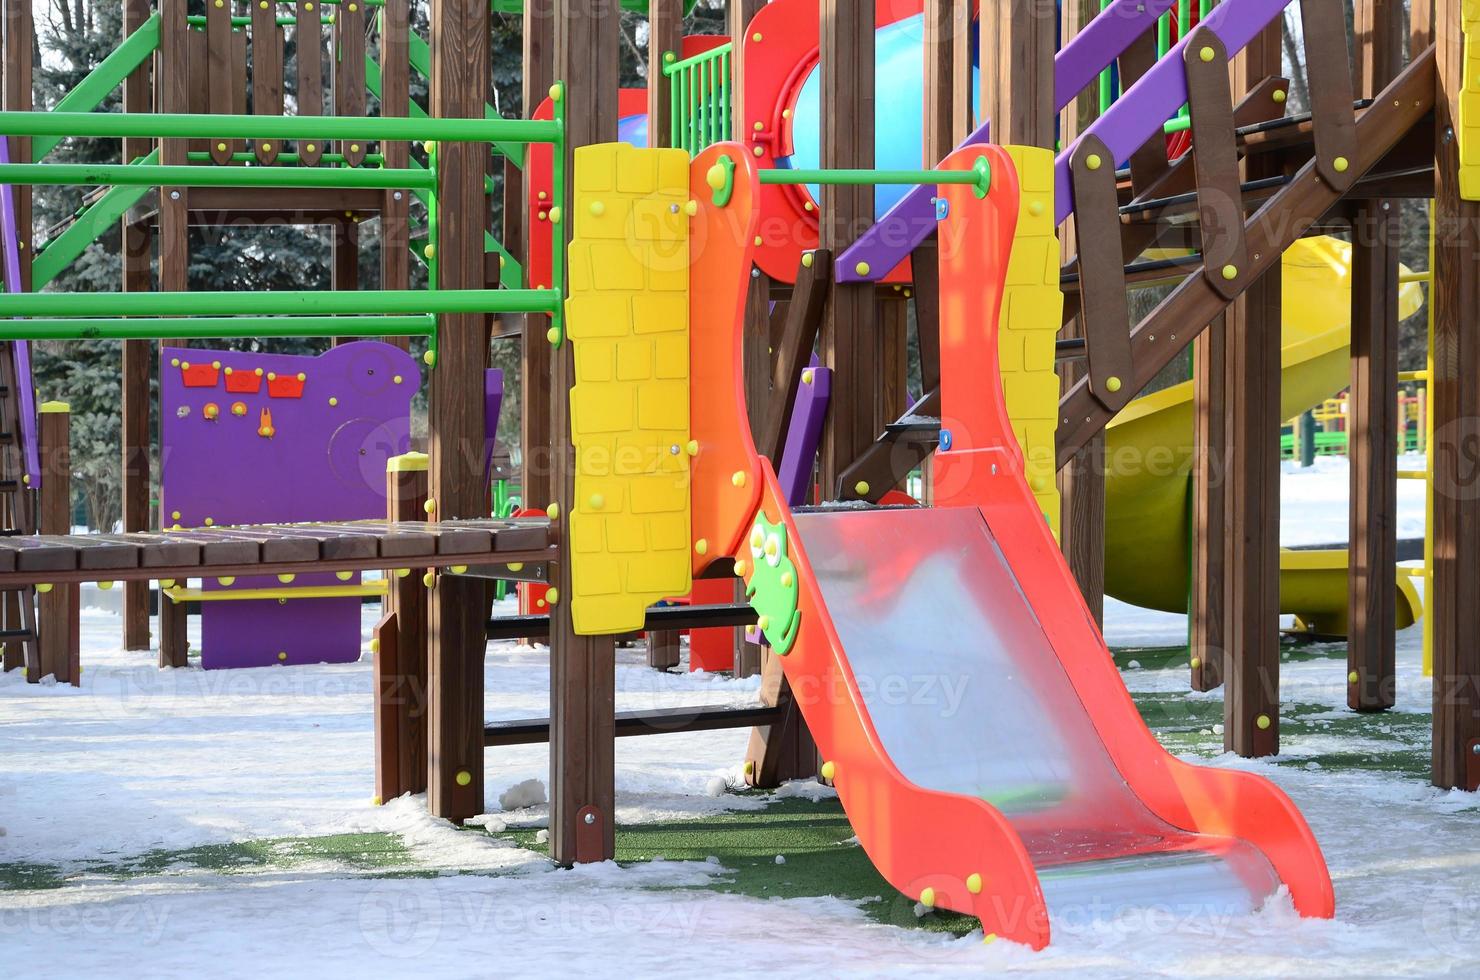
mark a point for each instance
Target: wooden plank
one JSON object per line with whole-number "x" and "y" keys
{"x": 1102, "y": 290}
{"x": 56, "y": 623}
{"x": 1220, "y": 209}
{"x": 40, "y": 554}
{"x": 395, "y": 96}
{"x": 1148, "y": 163}
{"x": 846, "y": 68}
{"x": 332, "y": 544}
{"x": 349, "y": 73}
{"x": 172, "y": 93}
{"x": 1372, "y": 422}
{"x": 1016, "y": 54}
{"x": 222, "y": 547}
{"x": 1455, "y": 403}
{"x": 663, "y": 650}
{"x": 391, "y": 701}
{"x": 459, "y": 86}
{"x": 1251, "y": 675}
{"x": 95, "y": 553}
{"x": 218, "y": 77}
{"x": 1207, "y": 637}
{"x": 1329, "y": 81}
{"x": 942, "y": 47}
{"x": 154, "y": 550}
{"x": 665, "y": 40}
{"x": 794, "y": 352}
{"x": 393, "y": 540}
{"x": 19, "y": 68}
{"x": 267, "y": 73}
{"x": 309, "y": 41}
{"x": 582, "y": 668}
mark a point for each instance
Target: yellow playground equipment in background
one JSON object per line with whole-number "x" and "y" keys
{"x": 1148, "y": 457}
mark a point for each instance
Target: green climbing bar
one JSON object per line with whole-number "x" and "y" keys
{"x": 228, "y": 327}
{"x": 156, "y": 175}
{"x": 205, "y": 126}
{"x": 283, "y": 302}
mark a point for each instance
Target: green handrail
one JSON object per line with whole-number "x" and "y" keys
{"x": 218, "y": 328}
{"x": 157, "y": 175}
{"x": 699, "y": 95}
{"x": 280, "y": 302}
{"x": 207, "y": 126}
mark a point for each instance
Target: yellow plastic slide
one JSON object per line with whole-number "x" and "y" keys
{"x": 1149, "y": 456}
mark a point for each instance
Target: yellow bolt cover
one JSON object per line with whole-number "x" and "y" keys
{"x": 1092, "y": 161}
{"x": 226, "y": 581}
{"x": 516, "y": 566}
{"x": 771, "y": 548}
{"x": 555, "y": 216}
{"x": 552, "y": 595}
{"x": 807, "y": 376}
{"x": 105, "y": 586}
{"x": 760, "y": 151}
{"x": 286, "y": 577}
{"x": 764, "y": 622}
{"x": 927, "y": 897}
{"x": 691, "y": 208}
{"x": 302, "y": 376}
{"x": 760, "y": 127}
{"x": 282, "y": 655}
{"x": 715, "y": 176}
{"x": 402, "y": 572}
{"x": 553, "y": 511}
{"x": 861, "y": 268}
{"x": 344, "y": 576}
{"x": 175, "y": 514}
{"x": 429, "y": 579}
{"x": 740, "y": 566}
{"x": 430, "y": 250}
{"x": 1196, "y": 662}
{"x": 210, "y": 521}
{"x": 861, "y": 488}
{"x": 354, "y": 147}
{"x": 333, "y": 401}
{"x": 701, "y": 547}
{"x": 749, "y": 766}
{"x": 759, "y": 241}
{"x": 167, "y": 583}
{"x": 1206, "y": 54}
{"x": 1341, "y": 164}
{"x": 1112, "y": 383}
{"x": 597, "y": 501}
{"x": 1262, "y": 721}
{"x": 1036, "y": 208}
{"x": 1230, "y": 272}
{"x": 787, "y": 580}
{"x": 553, "y": 335}
{"x": 738, "y": 478}
{"x": 1353, "y": 677}
{"x": 1278, "y": 95}
{"x": 397, "y": 379}
{"x": 756, "y": 37}
{"x": 556, "y": 91}
{"x": 430, "y": 358}
{"x": 597, "y": 208}
{"x": 429, "y": 506}
{"x": 464, "y": 777}
{"x": 374, "y": 645}
{"x": 829, "y": 769}
{"x": 44, "y": 587}
{"x": 974, "y": 883}
{"x": 271, "y": 375}
{"x": 807, "y": 260}
{"x": 459, "y": 569}
{"x": 310, "y": 147}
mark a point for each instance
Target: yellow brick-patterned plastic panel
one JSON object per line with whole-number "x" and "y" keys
{"x": 627, "y": 317}
{"x": 1469, "y": 105}
{"x": 1032, "y": 309}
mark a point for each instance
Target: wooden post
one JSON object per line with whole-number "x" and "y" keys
{"x": 57, "y": 624}
{"x": 582, "y": 668}
{"x": 846, "y": 65}
{"x": 1372, "y": 424}
{"x": 1082, "y": 482}
{"x": 395, "y": 97}
{"x": 401, "y": 649}
{"x": 19, "y": 41}
{"x": 1252, "y": 502}
{"x": 1207, "y": 639}
{"x": 138, "y": 241}
{"x": 665, "y": 37}
{"x": 536, "y": 384}
{"x": 1455, "y": 293}
{"x": 457, "y": 634}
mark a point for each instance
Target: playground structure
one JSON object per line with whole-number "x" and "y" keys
{"x": 665, "y": 385}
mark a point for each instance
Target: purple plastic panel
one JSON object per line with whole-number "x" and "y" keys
{"x": 493, "y": 401}
{"x": 324, "y": 459}
{"x": 912, "y": 220}
{"x": 804, "y": 436}
{"x": 25, "y": 390}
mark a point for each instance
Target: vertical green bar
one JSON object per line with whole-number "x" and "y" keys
{"x": 724, "y": 81}
{"x": 1107, "y": 77}
{"x": 1184, "y": 27}
{"x": 1164, "y": 35}
{"x": 675, "y": 111}
{"x": 706, "y": 123}
{"x": 557, "y": 231}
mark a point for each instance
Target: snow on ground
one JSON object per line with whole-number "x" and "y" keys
{"x": 139, "y": 760}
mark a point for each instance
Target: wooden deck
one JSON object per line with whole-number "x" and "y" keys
{"x": 281, "y": 549}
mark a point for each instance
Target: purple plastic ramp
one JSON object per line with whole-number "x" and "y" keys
{"x": 25, "y": 391}
{"x": 912, "y": 220}
{"x": 493, "y": 401}
{"x": 804, "y": 435}
{"x": 319, "y": 455}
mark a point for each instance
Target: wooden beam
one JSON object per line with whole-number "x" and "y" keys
{"x": 1206, "y": 633}
{"x": 1372, "y": 425}
{"x": 582, "y": 668}
{"x": 665, "y": 37}
{"x": 1252, "y": 502}
{"x": 137, "y": 400}
{"x": 460, "y": 79}
{"x": 57, "y": 626}
{"x": 1455, "y": 402}
{"x": 19, "y": 48}
{"x": 847, "y": 70}
{"x": 401, "y": 659}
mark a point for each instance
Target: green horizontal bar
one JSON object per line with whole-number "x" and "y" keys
{"x": 222, "y": 328}
{"x": 1177, "y": 125}
{"x": 154, "y": 175}
{"x": 371, "y": 159}
{"x": 862, "y": 177}
{"x": 281, "y": 302}
{"x": 205, "y": 126}
{"x": 672, "y": 68}
{"x": 199, "y": 21}
{"x": 87, "y": 228}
